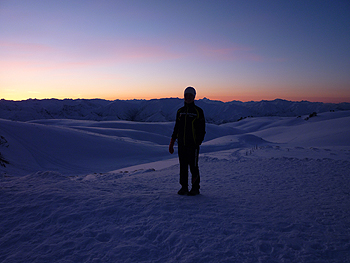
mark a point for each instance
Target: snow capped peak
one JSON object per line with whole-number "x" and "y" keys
{"x": 156, "y": 110}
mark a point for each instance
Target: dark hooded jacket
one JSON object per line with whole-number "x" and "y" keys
{"x": 189, "y": 127}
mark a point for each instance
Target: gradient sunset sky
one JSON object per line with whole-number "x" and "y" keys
{"x": 228, "y": 50}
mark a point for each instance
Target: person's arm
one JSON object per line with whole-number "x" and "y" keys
{"x": 201, "y": 128}
{"x": 174, "y": 135}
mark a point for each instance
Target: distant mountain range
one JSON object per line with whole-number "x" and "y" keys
{"x": 156, "y": 110}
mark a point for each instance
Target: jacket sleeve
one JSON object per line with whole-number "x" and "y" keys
{"x": 201, "y": 128}
{"x": 176, "y": 127}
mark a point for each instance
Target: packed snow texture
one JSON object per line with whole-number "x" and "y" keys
{"x": 273, "y": 189}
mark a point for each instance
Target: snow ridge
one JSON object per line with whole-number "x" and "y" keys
{"x": 156, "y": 110}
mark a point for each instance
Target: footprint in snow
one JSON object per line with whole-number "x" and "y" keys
{"x": 104, "y": 237}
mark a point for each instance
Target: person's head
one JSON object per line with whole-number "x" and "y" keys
{"x": 189, "y": 94}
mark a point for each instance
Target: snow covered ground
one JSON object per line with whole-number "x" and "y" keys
{"x": 273, "y": 189}
{"x": 156, "y": 110}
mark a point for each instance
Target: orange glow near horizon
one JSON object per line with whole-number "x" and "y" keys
{"x": 57, "y": 93}
{"x": 125, "y": 50}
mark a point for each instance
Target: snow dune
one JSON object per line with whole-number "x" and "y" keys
{"x": 274, "y": 189}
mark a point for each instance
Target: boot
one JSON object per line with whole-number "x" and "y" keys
{"x": 183, "y": 191}
{"x": 194, "y": 191}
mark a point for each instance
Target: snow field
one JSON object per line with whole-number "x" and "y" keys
{"x": 248, "y": 211}
{"x": 68, "y": 194}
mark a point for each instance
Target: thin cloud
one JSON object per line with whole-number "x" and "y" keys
{"x": 230, "y": 53}
{"x": 24, "y": 47}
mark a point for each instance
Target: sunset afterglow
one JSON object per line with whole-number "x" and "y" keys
{"x": 227, "y": 50}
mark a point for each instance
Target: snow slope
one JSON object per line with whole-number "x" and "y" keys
{"x": 273, "y": 189}
{"x": 159, "y": 110}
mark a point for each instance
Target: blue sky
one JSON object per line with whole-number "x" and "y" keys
{"x": 228, "y": 50}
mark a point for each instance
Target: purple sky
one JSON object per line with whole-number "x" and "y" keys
{"x": 228, "y": 50}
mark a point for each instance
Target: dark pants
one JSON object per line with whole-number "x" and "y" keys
{"x": 188, "y": 156}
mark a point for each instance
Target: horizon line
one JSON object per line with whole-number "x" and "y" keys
{"x": 161, "y": 98}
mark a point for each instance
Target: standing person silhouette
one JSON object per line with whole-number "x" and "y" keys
{"x": 189, "y": 131}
